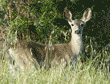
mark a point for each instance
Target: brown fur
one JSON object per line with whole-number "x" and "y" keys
{"x": 28, "y": 53}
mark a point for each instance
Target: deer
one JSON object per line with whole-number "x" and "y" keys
{"x": 29, "y": 53}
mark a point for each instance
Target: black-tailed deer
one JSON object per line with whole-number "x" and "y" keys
{"x": 27, "y": 53}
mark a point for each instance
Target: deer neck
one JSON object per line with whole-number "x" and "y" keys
{"x": 76, "y": 43}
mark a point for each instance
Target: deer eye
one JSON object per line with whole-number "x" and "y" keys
{"x": 82, "y": 25}
{"x": 72, "y": 25}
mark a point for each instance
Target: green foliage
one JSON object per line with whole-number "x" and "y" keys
{"x": 44, "y": 19}
{"x": 18, "y": 23}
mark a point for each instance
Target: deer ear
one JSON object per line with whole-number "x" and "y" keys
{"x": 87, "y": 15}
{"x": 67, "y": 15}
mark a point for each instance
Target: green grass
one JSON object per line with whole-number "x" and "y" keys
{"x": 86, "y": 74}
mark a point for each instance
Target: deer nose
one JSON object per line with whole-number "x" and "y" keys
{"x": 78, "y": 31}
